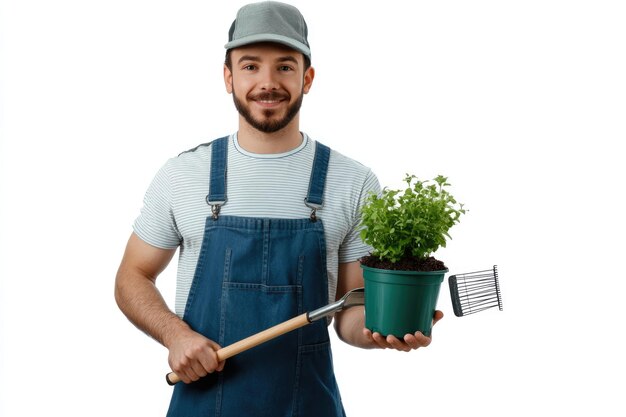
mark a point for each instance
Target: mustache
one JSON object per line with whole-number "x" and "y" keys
{"x": 269, "y": 95}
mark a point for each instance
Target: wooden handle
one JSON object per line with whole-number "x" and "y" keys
{"x": 252, "y": 341}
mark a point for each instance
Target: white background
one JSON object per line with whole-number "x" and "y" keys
{"x": 521, "y": 104}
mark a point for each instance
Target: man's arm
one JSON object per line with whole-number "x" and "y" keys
{"x": 191, "y": 355}
{"x": 350, "y": 323}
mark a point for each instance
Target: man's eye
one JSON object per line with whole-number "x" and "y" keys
{"x": 285, "y": 68}
{"x": 249, "y": 67}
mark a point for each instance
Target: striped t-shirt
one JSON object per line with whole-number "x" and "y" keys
{"x": 258, "y": 185}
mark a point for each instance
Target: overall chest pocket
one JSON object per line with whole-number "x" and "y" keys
{"x": 247, "y": 309}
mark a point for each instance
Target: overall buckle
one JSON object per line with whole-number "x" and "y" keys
{"x": 314, "y": 207}
{"x": 215, "y": 207}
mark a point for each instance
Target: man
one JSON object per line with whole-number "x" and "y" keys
{"x": 267, "y": 225}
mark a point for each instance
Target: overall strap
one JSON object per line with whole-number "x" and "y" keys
{"x": 315, "y": 197}
{"x": 217, "y": 181}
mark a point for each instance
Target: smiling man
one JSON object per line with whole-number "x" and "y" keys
{"x": 267, "y": 224}
{"x": 270, "y": 76}
{"x": 268, "y": 82}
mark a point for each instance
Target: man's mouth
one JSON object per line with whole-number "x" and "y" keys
{"x": 268, "y": 102}
{"x": 269, "y": 99}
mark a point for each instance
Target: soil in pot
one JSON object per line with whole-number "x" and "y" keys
{"x": 405, "y": 264}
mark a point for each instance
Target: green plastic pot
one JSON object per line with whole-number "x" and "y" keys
{"x": 400, "y": 302}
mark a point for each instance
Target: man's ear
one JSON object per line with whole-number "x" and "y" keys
{"x": 228, "y": 79}
{"x": 309, "y": 75}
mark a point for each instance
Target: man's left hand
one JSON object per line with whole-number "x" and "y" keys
{"x": 408, "y": 343}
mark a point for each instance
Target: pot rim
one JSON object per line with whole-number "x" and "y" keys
{"x": 405, "y": 272}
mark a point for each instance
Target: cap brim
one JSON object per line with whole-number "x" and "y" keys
{"x": 298, "y": 46}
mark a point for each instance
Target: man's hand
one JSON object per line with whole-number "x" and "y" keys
{"x": 410, "y": 342}
{"x": 192, "y": 356}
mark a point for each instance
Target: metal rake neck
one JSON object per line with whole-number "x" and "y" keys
{"x": 356, "y": 297}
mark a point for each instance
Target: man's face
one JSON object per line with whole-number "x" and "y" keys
{"x": 267, "y": 81}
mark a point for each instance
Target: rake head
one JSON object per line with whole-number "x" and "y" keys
{"x": 475, "y": 291}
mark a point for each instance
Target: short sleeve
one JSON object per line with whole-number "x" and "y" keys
{"x": 155, "y": 224}
{"x": 352, "y": 247}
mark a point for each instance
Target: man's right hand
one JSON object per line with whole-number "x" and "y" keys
{"x": 192, "y": 356}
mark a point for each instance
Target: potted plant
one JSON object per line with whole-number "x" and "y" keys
{"x": 402, "y": 278}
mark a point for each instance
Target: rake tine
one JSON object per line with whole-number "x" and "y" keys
{"x": 473, "y": 292}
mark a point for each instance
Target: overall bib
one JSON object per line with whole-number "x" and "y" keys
{"x": 253, "y": 273}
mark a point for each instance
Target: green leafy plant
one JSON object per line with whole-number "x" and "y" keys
{"x": 411, "y": 224}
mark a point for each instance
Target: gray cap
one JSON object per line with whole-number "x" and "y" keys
{"x": 269, "y": 21}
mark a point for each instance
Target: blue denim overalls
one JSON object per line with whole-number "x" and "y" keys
{"x": 253, "y": 273}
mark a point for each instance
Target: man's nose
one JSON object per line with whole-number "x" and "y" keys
{"x": 268, "y": 80}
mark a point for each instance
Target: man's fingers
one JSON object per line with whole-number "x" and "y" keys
{"x": 438, "y": 316}
{"x": 411, "y": 341}
{"x": 407, "y": 343}
{"x": 187, "y": 375}
{"x": 422, "y": 340}
{"x": 397, "y": 344}
{"x": 377, "y": 338}
{"x": 199, "y": 369}
{"x": 381, "y": 340}
{"x": 210, "y": 363}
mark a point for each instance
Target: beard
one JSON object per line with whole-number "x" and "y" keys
{"x": 268, "y": 124}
